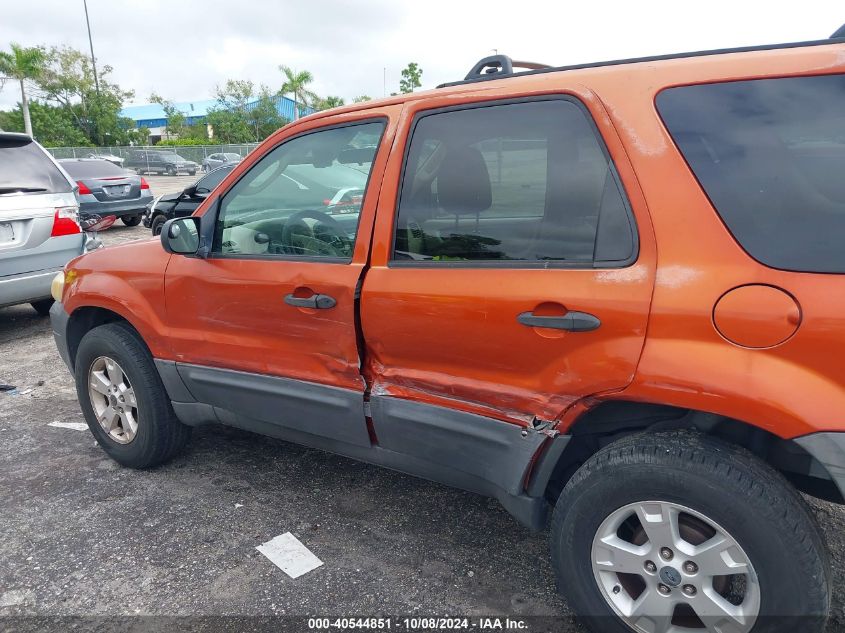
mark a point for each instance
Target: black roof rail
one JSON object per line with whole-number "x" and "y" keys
{"x": 498, "y": 66}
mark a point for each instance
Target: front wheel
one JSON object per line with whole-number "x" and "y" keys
{"x": 171, "y": 171}
{"x": 157, "y": 223}
{"x": 676, "y": 531}
{"x": 123, "y": 399}
{"x": 42, "y": 307}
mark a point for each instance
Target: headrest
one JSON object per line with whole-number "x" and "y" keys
{"x": 463, "y": 182}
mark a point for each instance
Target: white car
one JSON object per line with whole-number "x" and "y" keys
{"x": 39, "y": 225}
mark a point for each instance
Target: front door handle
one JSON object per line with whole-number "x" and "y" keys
{"x": 318, "y": 302}
{"x": 571, "y": 321}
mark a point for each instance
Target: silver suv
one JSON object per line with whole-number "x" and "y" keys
{"x": 39, "y": 225}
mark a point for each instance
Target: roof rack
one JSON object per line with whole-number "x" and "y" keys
{"x": 499, "y": 66}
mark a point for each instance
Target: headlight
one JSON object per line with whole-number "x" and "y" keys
{"x": 57, "y": 286}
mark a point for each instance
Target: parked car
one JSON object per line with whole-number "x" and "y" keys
{"x": 213, "y": 161}
{"x": 39, "y": 228}
{"x": 159, "y": 162}
{"x": 105, "y": 189}
{"x": 609, "y": 293}
{"x": 184, "y": 203}
{"x": 117, "y": 160}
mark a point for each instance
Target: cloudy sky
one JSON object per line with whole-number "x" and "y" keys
{"x": 183, "y": 48}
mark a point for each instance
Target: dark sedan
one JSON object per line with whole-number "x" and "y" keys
{"x": 106, "y": 189}
{"x": 179, "y": 205}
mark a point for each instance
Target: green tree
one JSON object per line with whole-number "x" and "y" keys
{"x": 23, "y": 64}
{"x": 176, "y": 121}
{"x": 411, "y": 76}
{"x": 296, "y": 83}
{"x": 328, "y": 102}
{"x": 263, "y": 115}
{"x": 68, "y": 80}
{"x": 53, "y": 125}
{"x": 244, "y": 113}
{"x": 361, "y": 99}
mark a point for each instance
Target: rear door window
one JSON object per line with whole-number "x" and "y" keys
{"x": 770, "y": 155}
{"x": 525, "y": 183}
{"x": 25, "y": 168}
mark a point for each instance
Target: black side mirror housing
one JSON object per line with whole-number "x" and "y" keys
{"x": 181, "y": 236}
{"x": 190, "y": 192}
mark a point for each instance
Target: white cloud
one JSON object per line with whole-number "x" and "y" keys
{"x": 183, "y": 49}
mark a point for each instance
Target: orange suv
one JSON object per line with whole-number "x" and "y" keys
{"x": 611, "y": 294}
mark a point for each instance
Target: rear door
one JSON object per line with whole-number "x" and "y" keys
{"x": 512, "y": 270}
{"x": 264, "y": 329}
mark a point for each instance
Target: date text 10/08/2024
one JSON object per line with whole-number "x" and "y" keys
{"x": 417, "y": 624}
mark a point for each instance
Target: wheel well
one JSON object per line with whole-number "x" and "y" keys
{"x": 613, "y": 420}
{"x": 83, "y": 320}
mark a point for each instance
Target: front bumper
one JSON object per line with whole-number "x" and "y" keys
{"x": 59, "y": 320}
{"x": 829, "y": 450}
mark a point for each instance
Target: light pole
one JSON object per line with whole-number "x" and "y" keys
{"x": 91, "y": 44}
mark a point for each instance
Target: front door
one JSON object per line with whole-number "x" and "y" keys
{"x": 513, "y": 278}
{"x": 264, "y": 327}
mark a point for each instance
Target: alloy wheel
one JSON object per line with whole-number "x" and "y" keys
{"x": 665, "y": 568}
{"x": 113, "y": 399}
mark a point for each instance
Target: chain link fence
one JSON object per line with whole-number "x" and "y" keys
{"x": 196, "y": 153}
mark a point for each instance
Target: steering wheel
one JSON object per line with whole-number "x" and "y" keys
{"x": 339, "y": 243}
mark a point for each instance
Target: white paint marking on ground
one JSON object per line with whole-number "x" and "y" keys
{"x": 238, "y": 505}
{"x": 288, "y": 554}
{"x": 76, "y": 426}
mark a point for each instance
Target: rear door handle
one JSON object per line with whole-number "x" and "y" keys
{"x": 571, "y": 321}
{"x": 318, "y": 302}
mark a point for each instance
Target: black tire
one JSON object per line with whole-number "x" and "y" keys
{"x": 192, "y": 173}
{"x": 160, "y": 435}
{"x": 726, "y": 483}
{"x": 171, "y": 171}
{"x": 157, "y": 223}
{"x": 131, "y": 220}
{"x": 139, "y": 171}
{"x": 42, "y": 307}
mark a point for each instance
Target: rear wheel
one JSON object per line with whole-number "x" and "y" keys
{"x": 675, "y": 532}
{"x": 123, "y": 399}
{"x": 42, "y": 307}
{"x": 131, "y": 220}
{"x": 157, "y": 223}
{"x": 192, "y": 173}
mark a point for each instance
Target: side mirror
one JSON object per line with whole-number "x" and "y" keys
{"x": 181, "y": 236}
{"x": 190, "y": 192}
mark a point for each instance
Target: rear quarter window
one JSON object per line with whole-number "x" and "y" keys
{"x": 25, "y": 168}
{"x": 770, "y": 155}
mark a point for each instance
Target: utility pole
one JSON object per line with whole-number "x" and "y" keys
{"x": 91, "y": 44}
{"x": 94, "y": 67}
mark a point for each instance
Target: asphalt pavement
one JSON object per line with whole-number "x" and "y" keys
{"x": 80, "y": 535}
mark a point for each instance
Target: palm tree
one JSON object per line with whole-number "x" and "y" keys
{"x": 296, "y": 84}
{"x": 22, "y": 64}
